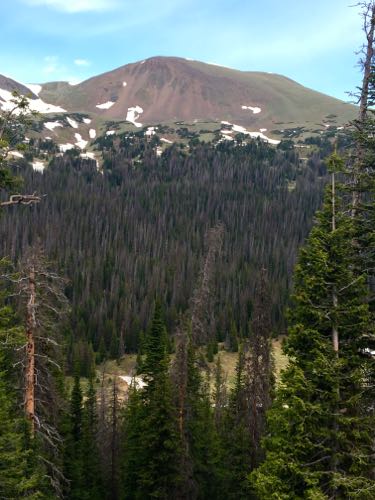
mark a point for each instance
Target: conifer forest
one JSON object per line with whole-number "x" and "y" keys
{"x": 124, "y": 291}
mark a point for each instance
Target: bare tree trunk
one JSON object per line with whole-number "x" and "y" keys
{"x": 114, "y": 443}
{"x": 335, "y": 340}
{"x": 367, "y": 64}
{"x": 201, "y": 299}
{"x": 30, "y": 353}
{"x": 335, "y": 333}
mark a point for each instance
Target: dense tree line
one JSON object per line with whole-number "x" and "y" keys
{"x": 185, "y": 434}
{"x": 137, "y": 229}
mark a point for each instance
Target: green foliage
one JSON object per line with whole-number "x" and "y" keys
{"x": 114, "y": 274}
{"x": 320, "y": 426}
{"x": 202, "y": 437}
{"x": 151, "y": 447}
{"x": 21, "y": 476}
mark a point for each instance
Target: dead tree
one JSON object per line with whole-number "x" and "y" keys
{"x": 258, "y": 370}
{"x": 360, "y": 124}
{"x": 201, "y": 299}
{"x": 42, "y": 304}
{"x": 193, "y": 330}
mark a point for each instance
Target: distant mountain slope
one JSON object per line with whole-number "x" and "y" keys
{"x": 164, "y": 89}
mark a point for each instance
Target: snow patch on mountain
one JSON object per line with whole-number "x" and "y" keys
{"x": 133, "y": 115}
{"x": 138, "y": 381}
{"x": 35, "y": 88}
{"x": 227, "y": 137}
{"x": 38, "y": 105}
{"x": 163, "y": 139}
{"x": 124, "y": 84}
{"x": 105, "y": 105}
{"x": 39, "y": 166}
{"x": 254, "y": 135}
{"x": 110, "y": 132}
{"x": 92, "y": 133}
{"x": 72, "y": 122}
{"x": 66, "y": 147}
{"x": 52, "y": 125}
{"x": 87, "y": 120}
{"x": 150, "y": 131}
{"x": 16, "y": 154}
{"x": 255, "y": 109}
{"x": 80, "y": 142}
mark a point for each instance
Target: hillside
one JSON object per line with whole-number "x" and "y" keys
{"x": 178, "y": 92}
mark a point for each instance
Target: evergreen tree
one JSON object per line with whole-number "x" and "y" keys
{"x": 20, "y": 476}
{"x": 92, "y": 480}
{"x": 235, "y": 437}
{"x": 320, "y": 441}
{"x": 73, "y": 457}
{"x": 153, "y": 419}
{"x": 201, "y": 436}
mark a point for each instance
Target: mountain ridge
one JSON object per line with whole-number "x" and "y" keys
{"x": 177, "y": 92}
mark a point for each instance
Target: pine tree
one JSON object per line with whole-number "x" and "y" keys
{"x": 73, "y": 456}
{"x": 158, "y": 447}
{"x": 320, "y": 428}
{"x": 235, "y": 437}
{"x": 20, "y": 476}
{"x": 201, "y": 436}
{"x": 92, "y": 480}
{"x": 259, "y": 369}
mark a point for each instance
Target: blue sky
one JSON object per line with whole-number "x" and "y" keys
{"x": 312, "y": 41}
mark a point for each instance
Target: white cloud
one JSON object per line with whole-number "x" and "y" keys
{"x": 75, "y": 6}
{"x": 82, "y": 62}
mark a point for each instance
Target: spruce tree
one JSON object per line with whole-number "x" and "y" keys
{"x": 73, "y": 456}
{"x": 151, "y": 417}
{"x": 320, "y": 442}
{"x": 92, "y": 480}
{"x": 235, "y": 437}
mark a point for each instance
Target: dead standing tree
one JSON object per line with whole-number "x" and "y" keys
{"x": 258, "y": 365}
{"x": 193, "y": 330}
{"x": 42, "y": 304}
{"x": 42, "y": 299}
{"x": 365, "y": 98}
{"x": 201, "y": 302}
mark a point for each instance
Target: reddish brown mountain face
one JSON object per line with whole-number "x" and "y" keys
{"x": 171, "y": 88}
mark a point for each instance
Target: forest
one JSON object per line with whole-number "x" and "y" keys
{"x": 178, "y": 258}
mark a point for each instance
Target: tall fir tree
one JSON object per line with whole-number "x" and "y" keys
{"x": 320, "y": 442}
{"x": 152, "y": 418}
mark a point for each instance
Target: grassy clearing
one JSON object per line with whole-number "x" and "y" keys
{"x": 113, "y": 369}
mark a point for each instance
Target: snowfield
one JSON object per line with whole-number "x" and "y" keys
{"x": 65, "y": 147}
{"x": 133, "y": 115}
{"x": 52, "y": 125}
{"x": 255, "y": 109}
{"x": 80, "y": 142}
{"x": 72, "y": 122}
{"x": 35, "y": 88}
{"x": 16, "y": 154}
{"x": 138, "y": 381}
{"x": 39, "y": 166}
{"x": 38, "y": 105}
{"x": 105, "y": 105}
{"x": 243, "y": 130}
